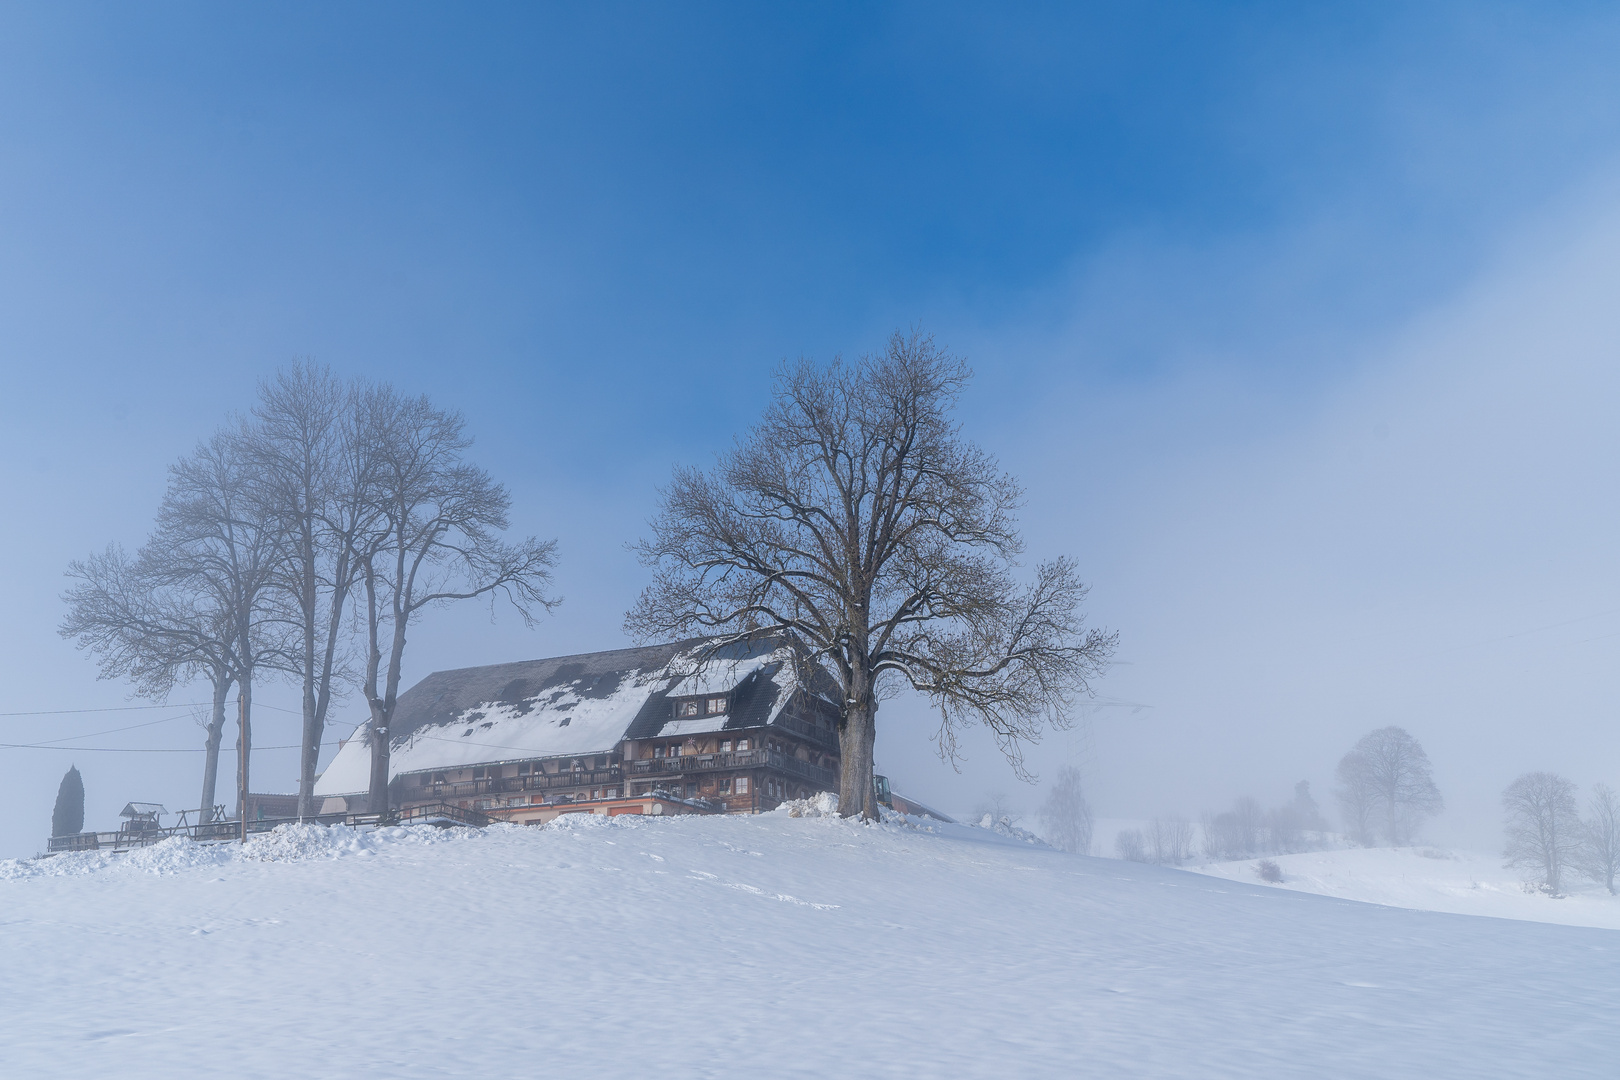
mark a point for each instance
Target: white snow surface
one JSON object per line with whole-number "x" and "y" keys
{"x": 779, "y": 946}
{"x": 1431, "y": 879}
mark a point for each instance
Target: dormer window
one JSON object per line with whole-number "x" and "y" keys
{"x": 686, "y": 708}
{"x": 715, "y": 706}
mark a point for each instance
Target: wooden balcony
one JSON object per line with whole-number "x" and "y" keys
{"x": 736, "y": 759}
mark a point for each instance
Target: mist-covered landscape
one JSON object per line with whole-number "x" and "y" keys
{"x": 899, "y": 541}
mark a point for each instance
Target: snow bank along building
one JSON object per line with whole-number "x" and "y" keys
{"x": 648, "y": 730}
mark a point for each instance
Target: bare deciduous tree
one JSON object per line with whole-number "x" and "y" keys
{"x": 855, "y": 518}
{"x": 216, "y": 537}
{"x": 1131, "y": 845}
{"x": 1291, "y": 823}
{"x": 1235, "y": 834}
{"x": 157, "y": 637}
{"x": 1170, "y": 840}
{"x": 435, "y": 542}
{"x": 1542, "y": 827}
{"x": 1599, "y": 849}
{"x": 313, "y": 470}
{"x": 1387, "y": 784}
{"x": 1066, "y": 816}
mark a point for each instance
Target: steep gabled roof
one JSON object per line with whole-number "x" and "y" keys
{"x": 567, "y": 705}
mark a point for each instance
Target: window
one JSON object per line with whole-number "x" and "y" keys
{"x": 523, "y": 768}
{"x": 686, "y": 708}
{"x": 742, "y": 744}
{"x": 658, "y": 751}
{"x": 427, "y": 778}
{"x": 675, "y": 751}
{"x": 725, "y": 787}
{"x": 716, "y": 706}
{"x": 691, "y": 791}
{"x": 742, "y": 785}
{"x": 725, "y": 746}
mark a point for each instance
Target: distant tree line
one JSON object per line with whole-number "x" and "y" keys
{"x": 1246, "y": 830}
{"x": 302, "y": 541}
{"x": 1386, "y": 791}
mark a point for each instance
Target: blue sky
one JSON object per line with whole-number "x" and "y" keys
{"x": 1164, "y": 236}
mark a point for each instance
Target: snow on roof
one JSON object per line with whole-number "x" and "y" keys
{"x": 693, "y": 726}
{"x": 141, "y": 809}
{"x": 722, "y": 674}
{"x": 569, "y": 705}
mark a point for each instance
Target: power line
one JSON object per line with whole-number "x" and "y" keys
{"x": 145, "y": 750}
{"x": 117, "y": 708}
{"x": 133, "y": 708}
{"x": 110, "y": 731}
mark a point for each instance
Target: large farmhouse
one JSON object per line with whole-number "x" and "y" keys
{"x": 647, "y": 730}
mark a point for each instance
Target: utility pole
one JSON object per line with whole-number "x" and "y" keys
{"x": 242, "y": 744}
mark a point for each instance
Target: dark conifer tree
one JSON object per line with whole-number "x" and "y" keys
{"x": 68, "y": 817}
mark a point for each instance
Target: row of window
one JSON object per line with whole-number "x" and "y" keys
{"x": 525, "y": 768}
{"x": 674, "y": 749}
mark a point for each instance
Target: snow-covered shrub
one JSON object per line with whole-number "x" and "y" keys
{"x": 1268, "y": 871}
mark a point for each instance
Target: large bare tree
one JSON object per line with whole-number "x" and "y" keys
{"x": 217, "y": 537}
{"x": 856, "y": 519}
{"x": 1599, "y": 848}
{"x": 156, "y": 636}
{"x": 1387, "y": 785}
{"x": 1542, "y": 828}
{"x": 434, "y": 542}
{"x": 313, "y": 471}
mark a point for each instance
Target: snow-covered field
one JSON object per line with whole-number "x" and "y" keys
{"x": 1432, "y": 879}
{"x": 768, "y": 946}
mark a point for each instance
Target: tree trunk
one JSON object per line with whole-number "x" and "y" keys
{"x": 856, "y": 736}
{"x": 377, "y": 800}
{"x": 216, "y": 734}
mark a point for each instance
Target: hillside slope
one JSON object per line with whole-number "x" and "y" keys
{"x": 1431, "y": 879}
{"x": 771, "y": 946}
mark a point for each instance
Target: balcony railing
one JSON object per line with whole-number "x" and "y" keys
{"x": 737, "y": 759}
{"x": 504, "y": 785}
{"x": 828, "y": 739}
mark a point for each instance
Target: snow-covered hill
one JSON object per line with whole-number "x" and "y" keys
{"x": 1431, "y": 879}
{"x": 769, "y": 946}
